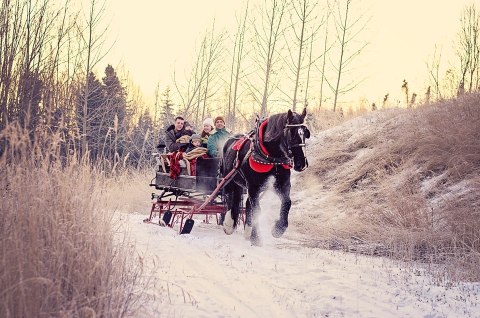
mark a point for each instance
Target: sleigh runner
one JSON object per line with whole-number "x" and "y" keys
{"x": 187, "y": 196}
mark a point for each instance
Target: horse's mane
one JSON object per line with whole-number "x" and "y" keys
{"x": 275, "y": 126}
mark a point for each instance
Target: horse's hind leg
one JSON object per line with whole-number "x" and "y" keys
{"x": 282, "y": 188}
{"x": 233, "y": 208}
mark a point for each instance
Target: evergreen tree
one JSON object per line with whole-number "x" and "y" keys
{"x": 116, "y": 110}
{"x": 166, "y": 113}
{"x": 115, "y": 94}
{"x": 29, "y": 96}
{"x": 96, "y": 127}
{"x": 142, "y": 141}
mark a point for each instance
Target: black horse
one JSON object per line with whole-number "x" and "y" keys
{"x": 276, "y": 144}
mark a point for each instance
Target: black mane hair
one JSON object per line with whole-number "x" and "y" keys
{"x": 275, "y": 126}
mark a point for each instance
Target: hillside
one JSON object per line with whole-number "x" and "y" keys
{"x": 404, "y": 183}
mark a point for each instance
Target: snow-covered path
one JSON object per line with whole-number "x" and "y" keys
{"x": 210, "y": 274}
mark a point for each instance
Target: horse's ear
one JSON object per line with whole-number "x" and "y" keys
{"x": 304, "y": 113}
{"x": 289, "y": 116}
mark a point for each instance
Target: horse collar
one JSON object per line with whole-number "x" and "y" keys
{"x": 260, "y": 160}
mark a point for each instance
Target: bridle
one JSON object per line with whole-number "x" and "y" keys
{"x": 287, "y": 145}
{"x": 303, "y": 133}
{"x": 302, "y": 129}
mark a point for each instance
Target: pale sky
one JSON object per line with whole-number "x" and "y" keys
{"x": 154, "y": 37}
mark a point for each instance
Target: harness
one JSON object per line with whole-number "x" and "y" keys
{"x": 259, "y": 159}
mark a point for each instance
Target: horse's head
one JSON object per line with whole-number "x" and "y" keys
{"x": 296, "y": 132}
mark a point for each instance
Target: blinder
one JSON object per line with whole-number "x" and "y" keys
{"x": 303, "y": 133}
{"x": 307, "y": 132}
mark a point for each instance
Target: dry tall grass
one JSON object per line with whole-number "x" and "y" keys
{"x": 130, "y": 191}
{"x": 409, "y": 180}
{"x": 60, "y": 255}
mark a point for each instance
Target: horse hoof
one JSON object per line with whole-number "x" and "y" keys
{"x": 278, "y": 230}
{"x": 256, "y": 241}
{"x": 228, "y": 223}
{"x": 227, "y": 230}
{"x": 248, "y": 232}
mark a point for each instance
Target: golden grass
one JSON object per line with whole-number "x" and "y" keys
{"x": 130, "y": 191}
{"x": 407, "y": 179}
{"x": 60, "y": 255}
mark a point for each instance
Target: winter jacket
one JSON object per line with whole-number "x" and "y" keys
{"x": 216, "y": 142}
{"x": 171, "y": 136}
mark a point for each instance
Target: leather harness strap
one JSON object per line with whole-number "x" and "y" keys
{"x": 260, "y": 160}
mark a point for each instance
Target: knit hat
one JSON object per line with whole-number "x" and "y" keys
{"x": 220, "y": 118}
{"x": 195, "y": 137}
{"x": 209, "y": 122}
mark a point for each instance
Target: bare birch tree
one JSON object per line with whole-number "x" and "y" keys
{"x": 93, "y": 44}
{"x": 236, "y": 69}
{"x": 434, "y": 72}
{"x": 200, "y": 84}
{"x": 57, "y": 88}
{"x": 303, "y": 26}
{"x": 268, "y": 34}
{"x": 468, "y": 49}
{"x": 212, "y": 83}
{"x": 347, "y": 29}
{"x": 324, "y": 54}
{"x": 32, "y": 39}
{"x": 11, "y": 29}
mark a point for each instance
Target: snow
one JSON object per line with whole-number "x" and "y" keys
{"x": 209, "y": 274}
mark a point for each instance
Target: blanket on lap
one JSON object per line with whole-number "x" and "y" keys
{"x": 174, "y": 159}
{"x": 193, "y": 155}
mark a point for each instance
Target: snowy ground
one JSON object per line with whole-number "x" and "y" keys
{"x": 209, "y": 274}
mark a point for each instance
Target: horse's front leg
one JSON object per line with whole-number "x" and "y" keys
{"x": 251, "y": 218}
{"x": 282, "y": 188}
